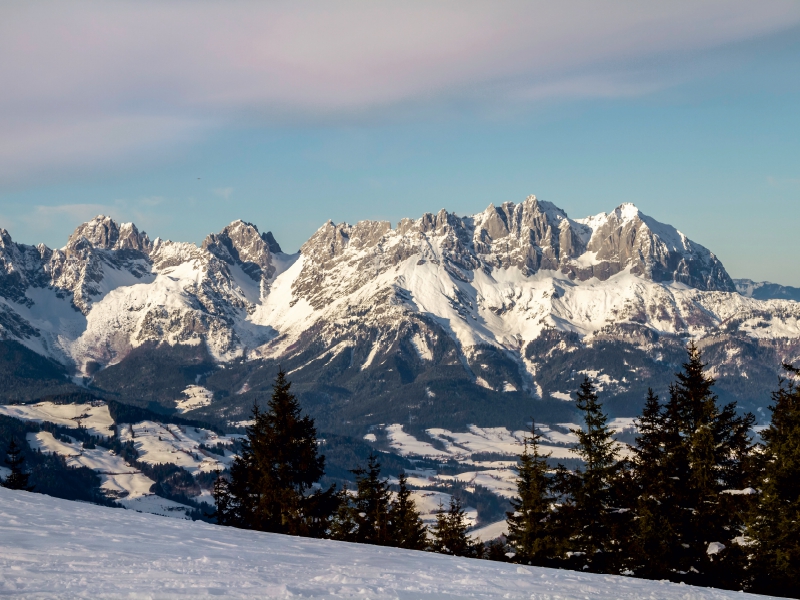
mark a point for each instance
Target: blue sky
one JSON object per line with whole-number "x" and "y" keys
{"x": 287, "y": 117}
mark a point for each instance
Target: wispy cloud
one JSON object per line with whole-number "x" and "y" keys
{"x": 224, "y": 193}
{"x": 784, "y": 182}
{"x": 95, "y": 83}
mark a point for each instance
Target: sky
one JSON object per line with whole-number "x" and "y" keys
{"x": 184, "y": 116}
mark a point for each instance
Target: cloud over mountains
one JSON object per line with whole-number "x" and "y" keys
{"x": 86, "y": 83}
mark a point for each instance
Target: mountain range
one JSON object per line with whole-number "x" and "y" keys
{"x": 439, "y": 321}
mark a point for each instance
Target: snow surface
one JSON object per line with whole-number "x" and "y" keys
{"x": 53, "y": 548}
{"x": 194, "y": 396}
{"x": 96, "y": 419}
{"x": 162, "y": 443}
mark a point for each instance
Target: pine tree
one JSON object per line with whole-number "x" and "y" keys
{"x": 343, "y": 526}
{"x": 406, "y": 529}
{"x": 450, "y": 532}
{"x": 529, "y": 532}
{"x": 371, "y": 504}
{"x": 223, "y": 501}
{"x": 651, "y": 546}
{"x": 708, "y": 453}
{"x": 774, "y": 525}
{"x": 588, "y": 491}
{"x": 18, "y": 479}
{"x": 279, "y": 463}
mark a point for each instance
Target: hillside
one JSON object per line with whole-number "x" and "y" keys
{"x": 51, "y": 548}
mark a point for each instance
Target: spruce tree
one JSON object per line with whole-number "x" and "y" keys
{"x": 651, "y": 547}
{"x": 223, "y": 501}
{"x": 18, "y": 479}
{"x": 450, "y": 532}
{"x": 774, "y": 525}
{"x": 343, "y": 526}
{"x": 273, "y": 475}
{"x": 708, "y": 453}
{"x": 529, "y": 529}
{"x": 588, "y": 491}
{"x": 371, "y": 504}
{"x": 406, "y": 529}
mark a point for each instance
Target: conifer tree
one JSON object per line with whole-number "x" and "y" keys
{"x": 18, "y": 479}
{"x": 223, "y": 501}
{"x": 774, "y": 525}
{"x": 371, "y": 504}
{"x": 343, "y": 526}
{"x": 708, "y": 449}
{"x": 450, "y": 532}
{"x": 406, "y": 529}
{"x": 588, "y": 491}
{"x": 529, "y": 530}
{"x": 651, "y": 545}
{"x": 279, "y": 463}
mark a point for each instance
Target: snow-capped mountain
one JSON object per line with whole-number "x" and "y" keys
{"x": 764, "y": 290}
{"x": 512, "y": 302}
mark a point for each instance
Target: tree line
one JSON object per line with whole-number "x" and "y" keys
{"x": 696, "y": 499}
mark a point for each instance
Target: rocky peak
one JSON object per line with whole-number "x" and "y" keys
{"x": 241, "y": 243}
{"x": 104, "y": 233}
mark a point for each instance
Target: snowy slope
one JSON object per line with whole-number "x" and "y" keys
{"x": 51, "y": 548}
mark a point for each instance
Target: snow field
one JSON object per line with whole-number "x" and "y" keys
{"x": 159, "y": 443}
{"x": 121, "y": 482}
{"x": 194, "y": 396}
{"x": 461, "y": 445}
{"x": 52, "y": 548}
{"x": 96, "y": 419}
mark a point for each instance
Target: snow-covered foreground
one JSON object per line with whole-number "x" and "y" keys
{"x": 52, "y": 548}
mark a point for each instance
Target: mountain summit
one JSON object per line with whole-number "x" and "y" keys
{"x": 501, "y": 303}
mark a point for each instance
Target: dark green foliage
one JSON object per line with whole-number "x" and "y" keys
{"x": 26, "y": 375}
{"x": 406, "y": 529}
{"x": 155, "y": 374}
{"x": 529, "y": 523}
{"x": 450, "y": 531}
{"x": 774, "y": 525}
{"x": 707, "y": 449}
{"x": 587, "y": 511}
{"x": 343, "y": 452}
{"x": 271, "y": 479}
{"x": 18, "y": 478}
{"x": 652, "y": 539}
{"x": 343, "y": 525}
{"x": 370, "y": 506}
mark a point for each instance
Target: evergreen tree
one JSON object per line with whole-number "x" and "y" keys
{"x": 343, "y": 526}
{"x": 450, "y": 531}
{"x": 529, "y": 530}
{"x": 18, "y": 479}
{"x": 371, "y": 505}
{"x": 774, "y": 525}
{"x": 406, "y": 529}
{"x": 223, "y": 501}
{"x": 588, "y": 492}
{"x": 279, "y": 463}
{"x": 708, "y": 449}
{"x": 652, "y": 539}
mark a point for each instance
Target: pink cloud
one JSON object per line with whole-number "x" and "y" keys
{"x": 87, "y": 82}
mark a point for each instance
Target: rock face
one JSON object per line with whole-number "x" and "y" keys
{"x": 490, "y": 300}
